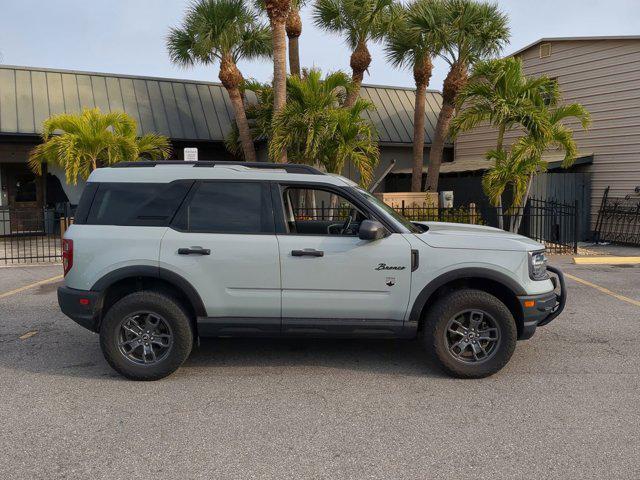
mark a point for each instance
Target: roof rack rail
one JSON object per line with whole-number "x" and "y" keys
{"x": 287, "y": 167}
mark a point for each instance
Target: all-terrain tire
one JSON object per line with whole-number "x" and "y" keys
{"x": 173, "y": 314}
{"x": 435, "y": 325}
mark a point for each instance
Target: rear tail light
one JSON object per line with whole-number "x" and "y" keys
{"x": 67, "y": 254}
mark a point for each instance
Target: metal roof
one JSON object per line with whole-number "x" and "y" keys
{"x": 180, "y": 109}
{"x": 575, "y": 39}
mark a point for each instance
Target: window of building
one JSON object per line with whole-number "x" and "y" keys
{"x": 545, "y": 50}
{"x": 228, "y": 207}
{"x": 547, "y": 98}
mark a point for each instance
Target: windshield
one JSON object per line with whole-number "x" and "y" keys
{"x": 389, "y": 211}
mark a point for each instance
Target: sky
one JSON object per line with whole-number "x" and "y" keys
{"x": 128, "y": 36}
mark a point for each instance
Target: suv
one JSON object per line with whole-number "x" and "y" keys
{"x": 162, "y": 253}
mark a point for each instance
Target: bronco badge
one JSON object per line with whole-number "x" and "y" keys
{"x": 384, "y": 266}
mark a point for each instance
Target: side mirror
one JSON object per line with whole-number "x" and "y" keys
{"x": 371, "y": 230}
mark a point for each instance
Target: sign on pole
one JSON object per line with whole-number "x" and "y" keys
{"x": 190, "y": 154}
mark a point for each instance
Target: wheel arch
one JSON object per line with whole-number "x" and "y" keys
{"x": 116, "y": 284}
{"x": 496, "y": 283}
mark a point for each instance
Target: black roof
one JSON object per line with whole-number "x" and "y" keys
{"x": 287, "y": 167}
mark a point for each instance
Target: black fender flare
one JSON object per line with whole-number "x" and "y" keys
{"x": 168, "y": 276}
{"x": 470, "y": 272}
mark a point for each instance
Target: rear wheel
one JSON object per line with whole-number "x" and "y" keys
{"x": 146, "y": 336}
{"x": 470, "y": 334}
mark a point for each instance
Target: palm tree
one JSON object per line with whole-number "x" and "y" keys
{"x": 474, "y": 31}
{"x": 359, "y": 21}
{"x": 315, "y": 128}
{"x": 224, "y": 31}
{"x": 293, "y": 28}
{"x": 528, "y": 152}
{"x": 354, "y": 141}
{"x": 499, "y": 93}
{"x": 92, "y": 139}
{"x": 415, "y": 40}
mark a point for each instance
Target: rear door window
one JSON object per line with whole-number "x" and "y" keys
{"x": 228, "y": 207}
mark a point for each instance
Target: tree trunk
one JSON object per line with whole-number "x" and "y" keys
{"x": 246, "y": 140}
{"x": 421, "y": 75}
{"x": 231, "y": 79}
{"x": 360, "y": 61}
{"x": 499, "y": 212}
{"x": 453, "y": 83}
{"x": 523, "y": 204}
{"x": 94, "y": 164}
{"x": 279, "y": 72}
{"x": 294, "y": 30}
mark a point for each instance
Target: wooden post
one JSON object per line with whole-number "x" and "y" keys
{"x": 472, "y": 213}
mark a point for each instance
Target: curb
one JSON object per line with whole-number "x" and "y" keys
{"x": 606, "y": 260}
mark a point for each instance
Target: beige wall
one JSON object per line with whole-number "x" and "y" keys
{"x": 604, "y": 76}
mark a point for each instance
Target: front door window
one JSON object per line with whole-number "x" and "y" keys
{"x": 320, "y": 212}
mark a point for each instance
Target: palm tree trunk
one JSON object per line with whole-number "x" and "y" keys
{"x": 453, "y": 83}
{"x": 523, "y": 204}
{"x": 422, "y": 75}
{"x": 246, "y": 140}
{"x": 231, "y": 79}
{"x": 294, "y": 30}
{"x": 360, "y": 61}
{"x": 499, "y": 206}
{"x": 279, "y": 72}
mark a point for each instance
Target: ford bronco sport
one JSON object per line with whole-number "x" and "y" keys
{"x": 162, "y": 253}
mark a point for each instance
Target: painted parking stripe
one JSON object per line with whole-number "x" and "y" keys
{"x": 32, "y": 285}
{"x": 603, "y": 290}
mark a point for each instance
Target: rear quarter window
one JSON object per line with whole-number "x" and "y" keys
{"x": 136, "y": 204}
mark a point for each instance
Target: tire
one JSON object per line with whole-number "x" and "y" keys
{"x": 165, "y": 352}
{"x": 452, "y": 346}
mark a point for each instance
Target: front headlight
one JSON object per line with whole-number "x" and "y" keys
{"x": 538, "y": 265}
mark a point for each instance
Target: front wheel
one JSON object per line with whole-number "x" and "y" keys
{"x": 470, "y": 334}
{"x": 146, "y": 336}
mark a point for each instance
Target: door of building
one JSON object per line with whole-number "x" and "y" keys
{"x": 25, "y": 195}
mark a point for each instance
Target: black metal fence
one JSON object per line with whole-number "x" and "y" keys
{"x": 618, "y": 220}
{"x": 30, "y": 235}
{"x": 554, "y": 224}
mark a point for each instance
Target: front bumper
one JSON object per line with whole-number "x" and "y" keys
{"x": 81, "y": 306}
{"x": 540, "y": 310}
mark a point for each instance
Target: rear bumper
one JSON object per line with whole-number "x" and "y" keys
{"x": 540, "y": 310}
{"x": 81, "y": 306}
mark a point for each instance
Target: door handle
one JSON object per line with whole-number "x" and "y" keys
{"x": 307, "y": 252}
{"x": 194, "y": 251}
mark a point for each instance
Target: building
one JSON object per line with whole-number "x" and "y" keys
{"x": 601, "y": 73}
{"x": 190, "y": 113}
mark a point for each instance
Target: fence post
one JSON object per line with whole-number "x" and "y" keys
{"x": 403, "y": 208}
{"x": 576, "y": 226}
{"x": 472, "y": 213}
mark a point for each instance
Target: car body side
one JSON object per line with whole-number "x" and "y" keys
{"x": 128, "y": 257}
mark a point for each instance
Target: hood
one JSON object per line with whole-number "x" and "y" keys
{"x": 477, "y": 237}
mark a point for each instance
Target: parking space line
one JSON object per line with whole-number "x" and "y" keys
{"x": 603, "y": 290}
{"x": 27, "y": 287}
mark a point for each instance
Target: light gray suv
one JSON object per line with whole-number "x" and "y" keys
{"x": 164, "y": 252}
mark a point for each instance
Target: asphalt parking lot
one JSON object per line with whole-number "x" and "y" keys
{"x": 566, "y": 406}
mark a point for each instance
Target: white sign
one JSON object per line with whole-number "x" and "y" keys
{"x": 190, "y": 154}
